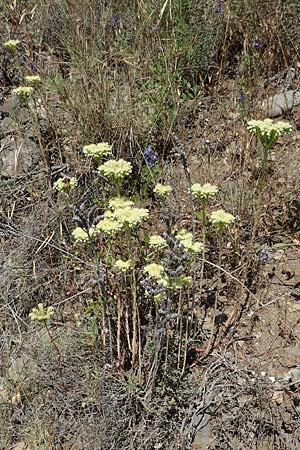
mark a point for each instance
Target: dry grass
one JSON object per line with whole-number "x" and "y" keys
{"x": 125, "y": 374}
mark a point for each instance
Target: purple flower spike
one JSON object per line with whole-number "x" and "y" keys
{"x": 150, "y": 157}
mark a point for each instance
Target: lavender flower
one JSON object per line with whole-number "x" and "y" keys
{"x": 150, "y": 157}
{"x": 218, "y": 6}
{"x": 242, "y": 97}
{"x": 155, "y": 28}
{"x": 32, "y": 67}
{"x": 115, "y": 19}
{"x": 256, "y": 44}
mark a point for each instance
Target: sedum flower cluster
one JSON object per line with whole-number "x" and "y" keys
{"x": 81, "y": 235}
{"x": 33, "y": 80}
{"x": 97, "y": 150}
{"x": 120, "y": 202}
{"x": 123, "y": 266}
{"x": 23, "y": 93}
{"x": 116, "y": 169}
{"x": 12, "y": 44}
{"x": 157, "y": 242}
{"x": 108, "y": 226}
{"x": 268, "y": 131}
{"x": 41, "y": 314}
{"x": 157, "y": 272}
{"x": 162, "y": 190}
{"x": 221, "y": 218}
{"x": 114, "y": 220}
{"x": 65, "y": 184}
{"x": 204, "y": 192}
{"x": 128, "y": 216}
{"x": 186, "y": 240}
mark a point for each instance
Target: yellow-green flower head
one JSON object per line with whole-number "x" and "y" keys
{"x": 109, "y": 226}
{"x": 12, "y": 44}
{"x": 33, "y": 80}
{"x": 194, "y": 247}
{"x": 155, "y": 271}
{"x": 183, "y": 235}
{"x": 157, "y": 242}
{"x": 203, "y": 192}
{"x": 120, "y": 202}
{"x": 221, "y": 218}
{"x": 162, "y": 190}
{"x": 97, "y": 150}
{"x": 186, "y": 240}
{"x": 23, "y": 92}
{"x": 130, "y": 216}
{"x": 181, "y": 282}
{"x": 267, "y": 127}
{"x": 41, "y": 314}
{"x": 114, "y": 168}
{"x": 123, "y": 266}
{"x": 80, "y": 235}
{"x": 65, "y": 184}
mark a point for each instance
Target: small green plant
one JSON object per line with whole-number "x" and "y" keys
{"x": 12, "y": 44}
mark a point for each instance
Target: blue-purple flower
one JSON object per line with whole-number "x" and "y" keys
{"x": 32, "y": 67}
{"x": 156, "y": 27}
{"x": 256, "y": 44}
{"x": 242, "y": 97}
{"x": 150, "y": 156}
{"x": 218, "y": 6}
{"x": 115, "y": 19}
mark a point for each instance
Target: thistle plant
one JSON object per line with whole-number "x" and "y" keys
{"x": 268, "y": 133}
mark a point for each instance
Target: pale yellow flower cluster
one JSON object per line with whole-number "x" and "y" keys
{"x": 162, "y": 190}
{"x": 123, "y": 266}
{"x": 65, "y": 184}
{"x": 33, "y": 80}
{"x": 186, "y": 240}
{"x": 41, "y": 314}
{"x": 221, "y": 218}
{"x": 120, "y": 202}
{"x": 268, "y": 127}
{"x": 157, "y": 242}
{"x": 23, "y": 92}
{"x": 116, "y": 168}
{"x": 80, "y": 235}
{"x": 12, "y": 44}
{"x": 128, "y": 216}
{"x": 203, "y": 192}
{"x": 97, "y": 150}
{"x": 157, "y": 272}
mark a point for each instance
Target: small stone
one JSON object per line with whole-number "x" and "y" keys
{"x": 280, "y": 103}
{"x": 290, "y": 357}
{"x": 17, "y": 156}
